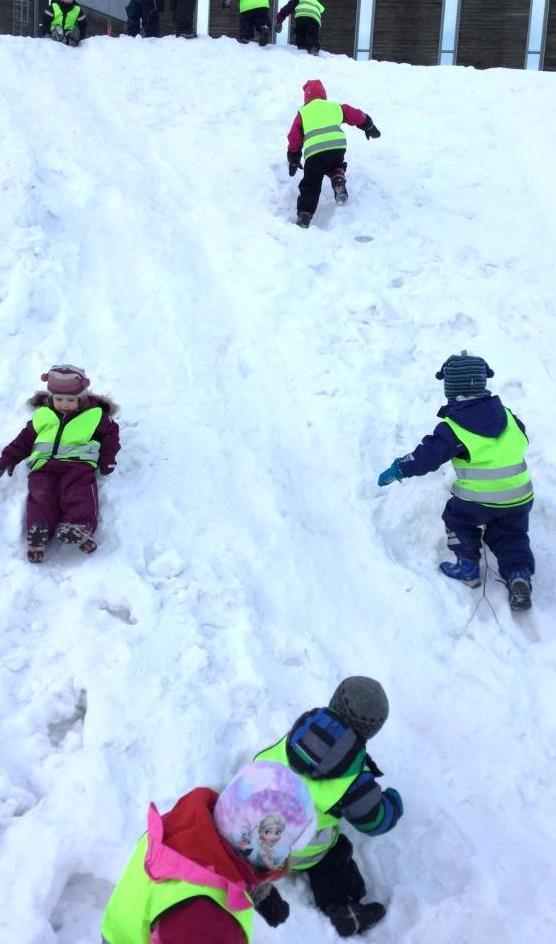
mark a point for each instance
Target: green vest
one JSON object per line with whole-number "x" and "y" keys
{"x": 321, "y": 122}
{"x": 75, "y": 442}
{"x": 496, "y": 473}
{"x": 311, "y": 8}
{"x": 246, "y": 5}
{"x": 325, "y": 794}
{"x": 66, "y": 20}
{"x": 137, "y": 902}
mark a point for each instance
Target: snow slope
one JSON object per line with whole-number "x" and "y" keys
{"x": 266, "y": 375}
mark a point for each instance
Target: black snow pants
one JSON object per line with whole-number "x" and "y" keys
{"x": 142, "y": 11}
{"x": 184, "y": 15}
{"x": 307, "y": 33}
{"x": 316, "y": 168}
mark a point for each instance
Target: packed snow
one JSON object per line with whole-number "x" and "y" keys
{"x": 247, "y": 560}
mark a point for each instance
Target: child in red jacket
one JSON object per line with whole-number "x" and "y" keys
{"x": 316, "y": 128}
{"x": 200, "y": 871}
{"x": 70, "y": 436}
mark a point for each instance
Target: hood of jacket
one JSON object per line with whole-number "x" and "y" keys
{"x": 484, "y": 416}
{"x": 313, "y": 89}
{"x": 41, "y": 398}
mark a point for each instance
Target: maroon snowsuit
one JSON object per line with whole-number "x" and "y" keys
{"x": 65, "y": 489}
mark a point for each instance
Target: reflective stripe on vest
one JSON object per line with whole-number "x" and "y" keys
{"x": 321, "y": 122}
{"x": 246, "y": 5}
{"x": 311, "y": 8}
{"x": 76, "y": 441}
{"x": 325, "y": 794}
{"x": 496, "y": 473}
{"x": 66, "y": 20}
{"x": 137, "y": 902}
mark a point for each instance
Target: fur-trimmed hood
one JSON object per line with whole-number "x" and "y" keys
{"x": 42, "y": 398}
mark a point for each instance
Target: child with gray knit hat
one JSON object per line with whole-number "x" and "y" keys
{"x": 492, "y": 494}
{"x": 70, "y": 436}
{"x": 327, "y": 748}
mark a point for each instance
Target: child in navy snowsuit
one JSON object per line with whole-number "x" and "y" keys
{"x": 492, "y": 494}
{"x": 70, "y": 436}
{"x": 307, "y": 19}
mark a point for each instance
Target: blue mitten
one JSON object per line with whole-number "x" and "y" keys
{"x": 395, "y": 800}
{"x": 391, "y": 474}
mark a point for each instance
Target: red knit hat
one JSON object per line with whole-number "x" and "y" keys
{"x": 65, "y": 379}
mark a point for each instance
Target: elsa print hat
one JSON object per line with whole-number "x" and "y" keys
{"x": 265, "y": 812}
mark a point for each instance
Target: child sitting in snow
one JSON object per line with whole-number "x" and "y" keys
{"x": 254, "y": 17}
{"x": 492, "y": 492}
{"x": 196, "y": 875}
{"x": 307, "y": 18}
{"x": 70, "y": 436}
{"x": 65, "y": 22}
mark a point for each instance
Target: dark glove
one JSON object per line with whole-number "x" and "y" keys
{"x": 395, "y": 800}
{"x": 73, "y": 36}
{"x": 273, "y": 908}
{"x": 277, "y": 25}
{"x": 7, "y": 467}
{"x": 370, "y": 129}
{"x": 107, "y": 469}
{"x": 294, "y": 162}
{"x": 355, "y": 917}
{"x": 390, "y": 474}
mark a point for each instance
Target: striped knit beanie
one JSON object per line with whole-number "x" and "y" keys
{"x": 63, "y": 379}
{"x": 464, "y": 375}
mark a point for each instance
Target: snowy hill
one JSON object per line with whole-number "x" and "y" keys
{"x": 266, "y": 375}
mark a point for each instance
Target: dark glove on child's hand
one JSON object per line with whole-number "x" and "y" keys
{"x": 355, "y": 917}
{"x": 277, "y": 25}
{"x": 107, "y": 469}
{"x": 6, "y": 467}
{"x": 273, "y": 908}
{"x": 370, "y": 129}
{"x": 294, "y": 162}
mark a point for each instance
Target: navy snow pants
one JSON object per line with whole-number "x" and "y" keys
{"x": 503, "y": 530}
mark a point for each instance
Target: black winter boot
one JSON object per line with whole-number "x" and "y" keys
{"x": 304, "y": 219}
{"x": 339, "y": 188}
{"x": 355, "y": 918}
{"x": 519, "y": 589}
{"x": 264, "y": 35}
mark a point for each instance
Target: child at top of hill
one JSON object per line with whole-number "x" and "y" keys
{"x": 316, "y": 129}
{"x": 492, "y": 494}
{"x": 326, "y": 747}
{"x": 307, "y": 19}
{"x": 71, "y": 435}
{"x": 197, "y": 876}
{"x": 254, "y": 17}
{"x": 65, "y": 22}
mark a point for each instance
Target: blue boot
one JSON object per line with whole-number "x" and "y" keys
{"x": 518, "y": 583}
{"x": 465, "y": 570}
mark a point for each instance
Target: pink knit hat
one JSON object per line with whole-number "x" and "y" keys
{"x": 65, "y": 379}
{"x": 265, "y": 812}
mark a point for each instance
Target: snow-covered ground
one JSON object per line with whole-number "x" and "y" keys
{"x": 266, "y": 375}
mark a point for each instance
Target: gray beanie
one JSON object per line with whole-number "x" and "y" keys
{"x": 362, "y": 703}
{"x": 464, "y": 375}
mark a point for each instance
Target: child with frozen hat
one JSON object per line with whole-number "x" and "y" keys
{"x": 199, "y": 873}
{"x": 70, "y": 436}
